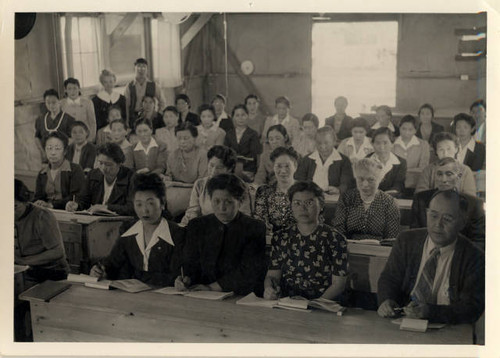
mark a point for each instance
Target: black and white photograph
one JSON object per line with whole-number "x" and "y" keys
{"x": 252, "y": 175}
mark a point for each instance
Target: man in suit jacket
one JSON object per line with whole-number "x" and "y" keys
{"x": 448, "y": 177}
{"x": 455, "y": 288}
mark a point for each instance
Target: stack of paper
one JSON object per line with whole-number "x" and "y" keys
{"x": 81, "y": 278}
{"x": 131, "y": 285}
{"x": 206, "y": 295}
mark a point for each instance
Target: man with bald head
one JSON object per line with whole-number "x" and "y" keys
{"x": 435, "y": 273}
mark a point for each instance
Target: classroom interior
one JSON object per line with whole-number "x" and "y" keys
{"x": 401, "y": 60}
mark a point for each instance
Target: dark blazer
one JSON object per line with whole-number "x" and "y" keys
{"x": 192, "y": 118}
{"x": 476, "y": 159}
{"x": 101, "y": 109}
{"x": 475, "y": 226}
{"x": 345, "y": 126}
{"x": 120, "y": 199}
{"x": 126, "y": 261}
{"x": 226, "y": 124}
{"x": 232, "y": 254}
{"x": 394, "y": 179}
{"x": 339, "y": 173}
{"x": 466, "y": 278}
{"x": 72, "y": 182}
{"x": 87, "y": 157}
{"x": 248, "y": 147}
{"x": 436, "y": 128}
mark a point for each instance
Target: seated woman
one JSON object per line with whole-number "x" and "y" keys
{"x": 151, "y": 250}
{"x": 414, "y": 150}
{"x": 109, "y": 186}
{"x": 256, "y": 120}
{"x": 319, "y": 268}
{"x": 383, "y": 115}
{"x": 448, "y": 177}
{"x": 428, "y": 127}
{"x": 366, "y": 212}
{"x": 81, "y": 151}
{"x": 209, "y": 134}
{"x": 38, "y": 241}
{"x": 276, "y": 137}
{"x": 104, "y": 133}
{"x": 119, "y": 131}
{"x": 446, "y": 146}
{"x": 271, "y": 201}
{"x": 221, "y": 160}
{"x": 471, "y": 153}
{"x": 359, "y": 145}
{"x": 166, "y": 134}
{"x": 58, "y": 181}
{"x": 148, "y": 154}
{"x": 393, "y": 167}
{"x": 183, "y": 105}
{"x": 245, "y": 142}
{"x": 225, "y": 251}
{"x": 150, "y": 113}
{"x": 187, "y": 163}
{"x": 326, "y": 167}
{"x": 223, "y": 120}
{"x": 305, "y": 144}
{"x": 284, "y": 118}
{"x": 340, "y": 121}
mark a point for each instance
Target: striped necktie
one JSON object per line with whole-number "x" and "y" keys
{"x": 423, "y": 289}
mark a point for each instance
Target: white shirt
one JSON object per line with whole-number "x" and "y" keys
{"x": 462, "y": 152}
{"x": 320, "y": 176}
{"x": 108, "y": 188}
{"x": 393, "y": 160}
{"x": 441, "y": 284}
{"x": 413, "y": 141}
{"x": 75, "y": 102}
{"x": 139, "y": 146}
{"x": 390, "y": 126}
{"x": 109, "y": 98}
{"x": 365, "y": 149}
{"x": 78, "y": 153}
{"x": 162, "y": 232}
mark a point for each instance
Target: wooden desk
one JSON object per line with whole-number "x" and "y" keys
{"x": 88, "y": 238}
{"x": 90, "y": 315}
{"x": 366, "y": 263}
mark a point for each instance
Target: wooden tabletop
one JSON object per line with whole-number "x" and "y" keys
{"x": 85, "y": 314}
{"x": 66, "y": 216}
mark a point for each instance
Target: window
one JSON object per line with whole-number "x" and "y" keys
{"x": 356, "y": 60}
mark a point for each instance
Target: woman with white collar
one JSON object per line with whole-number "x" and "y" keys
{"x": 283, "y": 117}
{"x": 393, "y": 167}
{"x": 209, "y": 134}
{"x": 383, "y": 115}
{"x": 148, "y": 154}
{"x": 359, "y": 145}
{"x": 326, "y": 167}
{"x": 151, "y": 250}
{"x": 223, "y": 120}
{"x": 470, "y": 152}
{"x": 106, "y": 98}
{"x": 80, "y": 108}
{"x": 414, "y": 150}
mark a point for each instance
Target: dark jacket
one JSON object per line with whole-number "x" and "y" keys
{"x": 101, "y": 109}
{"x": 72, "y": 182}
{"x": 248, "y": 147}
{"x": 476, "y": 159}
{"x": 226, "y": 124}
{"x": 150, "y": 92}
{"x": 192, "y": 118}
{"x": 87, "y": 157}
{"x": 436, "y": 128}
{"x": 475, "y": 226}
{"x": 232, "y": 254}
{"x": 339, "y": 173}
{"x": 345, "y": 126}
{"x": 126, "y": 261}
{"x": 394, "y": 179}
{"x": 466, "y": 278}
{"x": 120, "y": 199}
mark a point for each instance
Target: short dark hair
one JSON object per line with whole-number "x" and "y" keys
{"x": 172, "y": 109}
{"x": 113, "y": 108}
{"x": 280, "y": 128}
{"x": 187, "y": 126}
{"x": 386, "y": 109}
{"x": 311, "y": 117}
{"x": 120, "y": 120}
{"x": 309, "y": 186}
{"x": 229, "y": 182}
{"x": 227, "y": 155}
{"x": 383, "y": 131}
{"x": 149, "y": 182}
{"x": 327, "y": 130}
{"x": 59, "y": 135}
{"x": 278, "y": 152}
{"x": 142, "y": 120}
{"x": 207, "y": 107}
{"x": 50, "y": 92}
{"x": 479, "y": 102}
{"x": 442, "y": 136}
{"x": 408, "y": 119}
{"x": 21, "y": 192}
{"x": 113, "y": 151}
{"x": 428, "y": 106}
{"x": 184, "y": 97}
{"x": 254, "y": 96}
{"x": 360, "y": 122}
{"x": 80, "y": 124}
{"x": 282, "y": 99}
{"x": 239, "y": 106}
{"x": 219, "y": 96}
{"x": 453, "y": 194}
{"x": 148, "y": 96}
{"x": 141, "y": 60}
{"x": 466, "y": 118}
{"x": 72, "y": 81}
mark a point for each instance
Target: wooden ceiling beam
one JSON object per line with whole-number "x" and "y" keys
{"x": 194, "y": 29}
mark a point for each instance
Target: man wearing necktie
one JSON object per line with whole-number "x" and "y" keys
{"x": 435, "y": 273}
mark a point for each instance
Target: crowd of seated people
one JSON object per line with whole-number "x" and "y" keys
{"x": 252, "y": 180}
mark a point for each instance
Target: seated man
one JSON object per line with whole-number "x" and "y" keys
{"x": 435, "y": 273}
{"x": 448, "y": 176}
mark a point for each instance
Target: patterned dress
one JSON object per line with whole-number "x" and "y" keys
{"x": 308, "y": 262}
{"x": 273, "y": 207}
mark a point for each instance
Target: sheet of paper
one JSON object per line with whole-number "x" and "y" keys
{"x": 252, "y": 300}
{"x": 81, "y": 278}
{"x": 209, "y": 295}
{"x": 170, "y": 291}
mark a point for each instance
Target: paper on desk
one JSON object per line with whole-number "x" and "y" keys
{"x": 81, "y": 278}
{"x": 20, "y": 268}
{"x": 252, "y": 300}
{"x": 398, "y": 321}
{"x": 169, "y": 291}
{"x": 131, "y": 285}
{"x": 103, "y": 284}
{"x": 206, "y": 295}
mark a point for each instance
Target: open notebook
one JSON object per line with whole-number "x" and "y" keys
{"x": 206, "y": 295}
{"x": 131, "y": 285}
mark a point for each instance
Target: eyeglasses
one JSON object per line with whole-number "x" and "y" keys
{"x": 435, "y": 215}
{"x": 305, "y": 203}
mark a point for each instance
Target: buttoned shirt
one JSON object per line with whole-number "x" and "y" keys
{"x": 320, "y": 176}
{"x": 390, "y": 126}
{"x": 78, "y": 152}
{"x": 348, "y": 148}
{"x": 462, "y": 152}
{"x": 393, "y": 160}
{"x": 152, "y": 144}
{"x": 108, "y": 188}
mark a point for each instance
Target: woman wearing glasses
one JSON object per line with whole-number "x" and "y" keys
{"x": 308, "y": 259}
